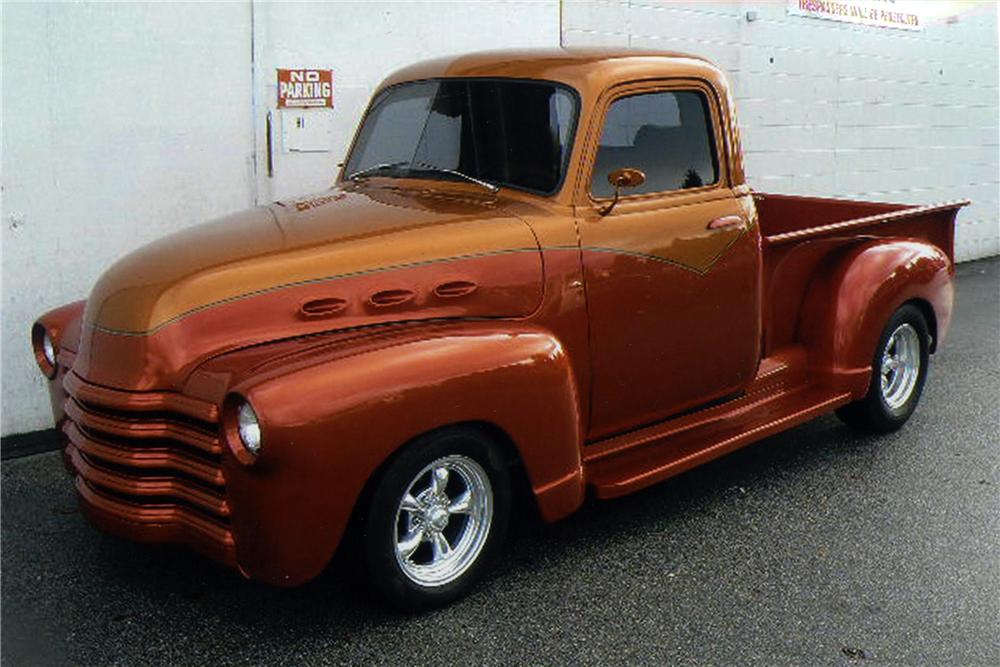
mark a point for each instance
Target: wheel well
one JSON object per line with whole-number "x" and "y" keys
{"x": 927, "y": 310}
{"x": 520, "y": 485}
{"x": 521, "y": 491}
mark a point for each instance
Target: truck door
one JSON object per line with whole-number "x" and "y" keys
{"x": 672, "y": 272}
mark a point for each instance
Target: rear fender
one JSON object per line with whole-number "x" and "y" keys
{"x": 847, "y": 307}
{"x": 330, "y": 424}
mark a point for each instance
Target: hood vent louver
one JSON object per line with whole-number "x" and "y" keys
{"x": 324, "y": 307}
{"x": 391, "y": 297}
{"x": 455, "y": 288}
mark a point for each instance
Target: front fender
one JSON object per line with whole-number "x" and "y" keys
{"x": 330, "y": 420}
{"x": 63, "y": 325}
{"x": 848, "y": 306}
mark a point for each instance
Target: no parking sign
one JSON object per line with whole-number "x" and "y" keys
{"x": 303, "y": 88}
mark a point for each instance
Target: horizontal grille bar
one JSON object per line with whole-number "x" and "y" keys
{"x": 147, "y": 458}
{"x": 140, "y": 428}
{"x": 148, "y": 486}
{"x": 158, "y": 523}
{"x": 139, "y": 401}
{"x": 149, "y": 465}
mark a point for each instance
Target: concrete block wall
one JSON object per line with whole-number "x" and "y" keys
{"x": 842, "y": 110}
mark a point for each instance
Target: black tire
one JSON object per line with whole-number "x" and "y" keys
{"x": 427, "y": 578}
{"x": 881, "y": 410}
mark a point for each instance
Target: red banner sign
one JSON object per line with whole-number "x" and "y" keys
{"x": 305, "y": 88}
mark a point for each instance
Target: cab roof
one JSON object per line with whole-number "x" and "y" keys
{"x": 586, "y": 70}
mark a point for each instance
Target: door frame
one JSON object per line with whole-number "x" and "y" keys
{"x": 587, "y": 206}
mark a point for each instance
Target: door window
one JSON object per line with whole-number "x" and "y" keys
{"x": 667, "y": 135}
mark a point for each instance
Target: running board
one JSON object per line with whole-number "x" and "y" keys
{"x": 626, "y": 463}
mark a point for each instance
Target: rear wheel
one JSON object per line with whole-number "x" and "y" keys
{"x": 899, "y": 371}
{"x": 436, "y": 519}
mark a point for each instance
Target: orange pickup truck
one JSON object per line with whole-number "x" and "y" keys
{"x": 538, "y": 269}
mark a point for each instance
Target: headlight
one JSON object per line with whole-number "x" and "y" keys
{"x": 45, "y": 350}
{"x": 48, "y": 349}
{"x": 248, "y": 427}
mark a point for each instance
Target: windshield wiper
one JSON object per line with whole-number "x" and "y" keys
{"x": 422, "y": 166}
{"x": 472, "y": 179}
{"x": 367, "y": 171}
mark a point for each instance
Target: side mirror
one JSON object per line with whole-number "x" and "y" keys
{"x": 626, "y": 177}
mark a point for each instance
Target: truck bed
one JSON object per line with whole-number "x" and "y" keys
{"x": 801, "y": 234}
{"x": 803, "y": 239}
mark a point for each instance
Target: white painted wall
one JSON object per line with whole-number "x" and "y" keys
{"x": 123, "y": 122}
{"x": 363, "y": 42}
{"x": 841, "y": 110}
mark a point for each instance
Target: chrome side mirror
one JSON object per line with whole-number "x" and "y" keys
{"x": 626, "y": 177}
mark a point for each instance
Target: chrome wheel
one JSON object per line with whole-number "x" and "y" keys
{"x": 898, "y": 372}
{"x": 900, "y": 366}
{"x": 443, "y": 520}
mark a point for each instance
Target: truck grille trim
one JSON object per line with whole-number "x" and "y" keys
{"x": 163, "y": 523}
{"x": 140, "y": 401}
{"x": 148, "y": 472}
{"x": 150, "y": 459}
{"x": 159, "y": 489}
{"x": 140, "y": 428}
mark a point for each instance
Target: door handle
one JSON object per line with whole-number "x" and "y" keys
{"x": 725, "y": 222}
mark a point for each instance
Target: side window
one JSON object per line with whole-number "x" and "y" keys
{"x": 666, "y": 135}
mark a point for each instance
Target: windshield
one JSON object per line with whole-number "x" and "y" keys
{"x": 504, "y": 132}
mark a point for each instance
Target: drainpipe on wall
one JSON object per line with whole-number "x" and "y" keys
{"x": 262, "y": 170}
{"x": 253, "y": 102}
{"x": 561, "y": 45}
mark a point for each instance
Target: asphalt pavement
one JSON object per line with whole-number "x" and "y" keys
{"x": 820, "y": 546}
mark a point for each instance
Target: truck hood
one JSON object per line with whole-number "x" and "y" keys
{"x": 316, "y": 246}
{"x": 339, "y": 260}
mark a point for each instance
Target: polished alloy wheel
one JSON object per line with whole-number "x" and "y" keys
{"x": 443, "y": 520}
{"x": 900, "y": 366}
{"x": 899, "y": 371}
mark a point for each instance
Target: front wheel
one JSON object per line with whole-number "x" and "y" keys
{"x": 899, "y": 371}
{"x": 436, "y": 518}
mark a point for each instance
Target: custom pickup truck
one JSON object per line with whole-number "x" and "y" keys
{"x": 536, "y": 269}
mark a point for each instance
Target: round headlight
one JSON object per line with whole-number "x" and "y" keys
{"x": 45, "y": 350}
{"x": 249, "y": 428}
{"x": 48, "y": 349}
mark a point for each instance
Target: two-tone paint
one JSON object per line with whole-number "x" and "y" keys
{"x": 602, "y": 351}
